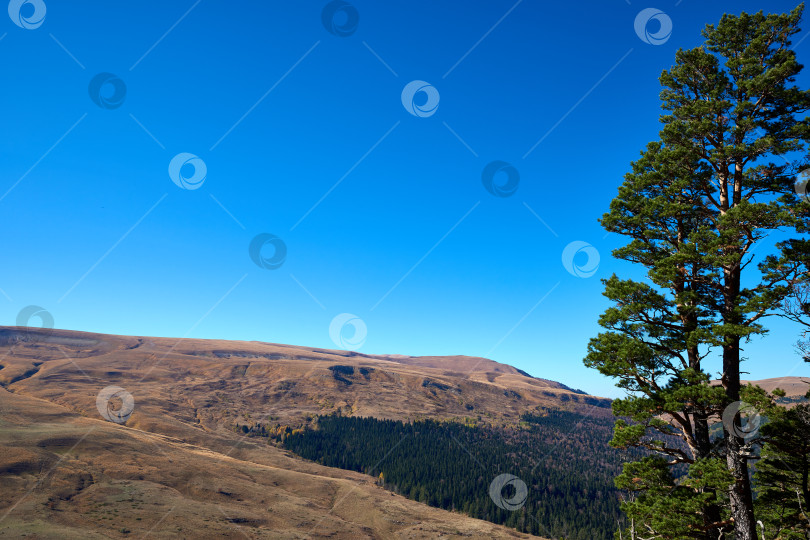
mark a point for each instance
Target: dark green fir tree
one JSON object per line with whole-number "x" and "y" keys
{"x": 783, "y": 474}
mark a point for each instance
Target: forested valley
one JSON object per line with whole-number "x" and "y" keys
{"x": 563, "y": 458}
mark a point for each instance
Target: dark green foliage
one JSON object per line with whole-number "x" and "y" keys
{"x": 562, "y": 457}
{"x": 253, "y": 430}
{"x": 673, "y": 504}
{"x": 783, "y": 474}
{"x": 693, "y": 208}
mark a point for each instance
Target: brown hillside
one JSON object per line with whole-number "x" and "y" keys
{"x": 793, "y": 386}
{"x": 178, "y": 468}
{"x": 212, "y": 384}
{"x": 67, "y": 476}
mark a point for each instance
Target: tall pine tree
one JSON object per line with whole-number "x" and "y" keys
{"x": 694, "y": 206}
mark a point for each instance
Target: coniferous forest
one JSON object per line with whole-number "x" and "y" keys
{"x": 562, "y": 457}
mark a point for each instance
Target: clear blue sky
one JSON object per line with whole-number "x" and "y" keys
{"x": 281, "y": 111}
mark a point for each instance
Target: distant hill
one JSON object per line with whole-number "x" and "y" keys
{"x": 212, "y": 383}
{"x": 793, "y": 386}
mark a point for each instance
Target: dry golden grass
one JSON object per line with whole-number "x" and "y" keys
{"x": 178, "y": 469}
{"x": 67, "y": 476}
{"x": 188, "y": 386}
{"x": 793, "y": 386}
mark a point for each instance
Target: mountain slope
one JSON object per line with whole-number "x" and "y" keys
{"x": 67, "y": 476}
{"x": 178, "y": 466}
{"x": 213, "y": 384}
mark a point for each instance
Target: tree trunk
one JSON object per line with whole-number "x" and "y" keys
{"x": 700, "y": 427}
{"x": 742, "y": 500}
{"x": 711, "y": 513}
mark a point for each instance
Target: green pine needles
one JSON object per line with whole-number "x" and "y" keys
{"x": 694, "y": 206}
